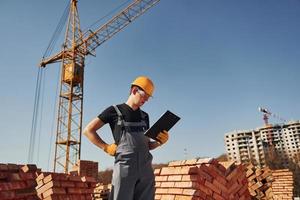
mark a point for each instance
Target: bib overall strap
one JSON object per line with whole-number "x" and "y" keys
{"x": 143, "y": 117}
{"x": 119, "y": 127}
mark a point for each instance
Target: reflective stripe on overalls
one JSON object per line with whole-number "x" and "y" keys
{"x": 133, "y": 177}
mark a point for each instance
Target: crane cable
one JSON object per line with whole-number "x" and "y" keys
{"x": 57, "y": 31}
{"x": 37, "y": 113}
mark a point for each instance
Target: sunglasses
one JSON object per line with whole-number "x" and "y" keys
{"x": 143, "y": 94}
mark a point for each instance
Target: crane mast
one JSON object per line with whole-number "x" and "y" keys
{"x": 76, "y": 47}
{"x": 69, "y": 120}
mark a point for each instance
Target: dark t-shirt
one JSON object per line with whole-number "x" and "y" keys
{"x": 109, "y": 115}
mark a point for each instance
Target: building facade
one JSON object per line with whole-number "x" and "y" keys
{"x": 278, "y": 144}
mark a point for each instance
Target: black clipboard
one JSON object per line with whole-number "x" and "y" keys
{"x": 165, "y": 122}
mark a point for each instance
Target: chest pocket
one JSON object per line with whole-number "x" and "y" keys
{"x": 122, "y": 127}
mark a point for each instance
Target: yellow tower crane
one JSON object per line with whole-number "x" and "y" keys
{"x": 76, "y": 47}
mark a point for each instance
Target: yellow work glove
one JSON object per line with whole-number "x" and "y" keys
{"x": 111, "y": 149}
{"x": 163, "y": 137}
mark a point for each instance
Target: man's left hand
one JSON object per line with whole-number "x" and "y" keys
{"x": 163, "y": 137}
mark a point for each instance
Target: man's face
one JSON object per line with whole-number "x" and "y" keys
{"x": 141, "y": 97}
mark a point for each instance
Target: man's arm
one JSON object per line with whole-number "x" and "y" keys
{"x": 90, "y": 131}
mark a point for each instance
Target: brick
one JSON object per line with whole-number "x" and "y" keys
{"x": 205, "y": 175}
{"x": 233, "y": 174}
{"x": 161, "y": 178}
{"x": 191, "y": 162}
{"x": 167, "y": 184}
{"x": 75, "y": 178}
{"x": 212, "y": 187}
{"x": 176, "y": 163}
{"x": 66, "y": 184}
{"x": 47, "y": 186}
{"x": 220, "y": 185}
{"x": 189, "y": 178}
{"x": 27, "y": 176}
{"x": 14, "y": 177}
{"x": 4, "y": 186}
{"x": 190, "y": 192}
{"x": 175, "y": 191}
{"x": 186, "y": 185}
{"x": 53, "y": 197}
{"x": 25, "y": 192}
{"x": 157, "y": 184}
{"x": 3, "y": 176}
{"x": 218, "y": 170}
{"x": 88, "y": 179}
{"x": 54, "y": 191}
{"x": 189, "y": 170}
{"x": 234, "y": 188}
{"x": 17, "y": 185}
{"x": 42, "y": 176}
{"x": 13, "y": 167}
{"x": 29, "y": 168}
{"x": 7, "y": 195}
{"x": 87, "y": 190}
{"x": 222, "y": 180}
{"x": 3, "y": 167}
{"x": 217, "y": 196}
{"x": 75, "y": 191}
{"x": 161, "y": 191}
{"x": 205, "y": 189}
{"x": 204, "y": 161}
{"x": 167, "y": 197}
{"x": 80, "y": 184}
{"x": 168, "y": 171}
{"x": 174, "y": 178}
{"x": 157, "y": 172}
{"x": 31, "y": 183}
{"x": 182, "y": 197}
{"x": 243, "y": 191}
{"x": 56, "y": 177}
{"x": 40, "y": 183}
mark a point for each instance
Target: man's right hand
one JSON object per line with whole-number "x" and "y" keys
{"x": 111, "y": 149}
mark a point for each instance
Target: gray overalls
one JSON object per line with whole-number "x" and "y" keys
{"x": 133, "y": 177}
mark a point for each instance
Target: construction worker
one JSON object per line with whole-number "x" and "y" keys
{"x": 133, "y": 177}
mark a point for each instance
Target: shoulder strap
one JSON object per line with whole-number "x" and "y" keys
{"x": 120, "y": 116}
{"x": 120, "y": 126}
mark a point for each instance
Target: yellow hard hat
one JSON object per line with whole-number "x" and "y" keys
{"x": 145, "y": 83}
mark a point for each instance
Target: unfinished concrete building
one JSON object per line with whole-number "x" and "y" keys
{"x": 278, "y": 142}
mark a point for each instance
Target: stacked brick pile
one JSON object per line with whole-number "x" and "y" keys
{"x": 17, "y": 182}
{"x": 199, "y": 179}
{"x": 59, "y": 186}
{"x": 265, "y": 183}
{"x": 282, "y": 186}
{"x": 259, "y": 182}
{"x": 86, "y": 168}
{"x": 101, "y": 192}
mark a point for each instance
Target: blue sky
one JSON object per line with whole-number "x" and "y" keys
{"x": 214, "y": 63}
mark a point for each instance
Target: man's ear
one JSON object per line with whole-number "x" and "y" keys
{"x": 134, "y": 90}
